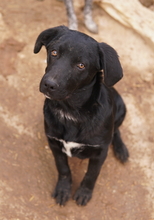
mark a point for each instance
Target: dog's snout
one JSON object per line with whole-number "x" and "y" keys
{"x": 50, "y": 85}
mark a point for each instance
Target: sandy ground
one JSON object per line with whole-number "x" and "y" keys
{"x": 27, "y": 170}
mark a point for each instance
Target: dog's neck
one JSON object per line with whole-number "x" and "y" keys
{"x": 82, "y": 95}
{"x": 79, "y": 102}
{"x": 86, "y": 96}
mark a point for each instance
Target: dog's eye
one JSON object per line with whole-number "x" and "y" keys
{"x": 81, "y": 66}
{"x": 54, "y": 53}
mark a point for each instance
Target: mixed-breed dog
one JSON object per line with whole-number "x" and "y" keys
{"x": 82, "y": 110}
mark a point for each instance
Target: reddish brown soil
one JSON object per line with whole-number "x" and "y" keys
{"x": 27, "y": 170}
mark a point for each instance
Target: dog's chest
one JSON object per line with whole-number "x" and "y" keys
{"x": 65, "y": 116}
{"x": 75, "y": 149}
{"x": 69, "y": 146}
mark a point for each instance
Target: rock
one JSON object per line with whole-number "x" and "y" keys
{"x": 133, "y": 15}
{"x": 147, "y": 3}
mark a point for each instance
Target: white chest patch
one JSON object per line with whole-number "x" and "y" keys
{"x": 68, "y": 146}
{"x": 66, "y": 116}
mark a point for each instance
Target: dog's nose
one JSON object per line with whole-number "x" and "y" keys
{"x": 50, "y": 85}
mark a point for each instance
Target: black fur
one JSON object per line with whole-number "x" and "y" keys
{"x": 81, "y": 106}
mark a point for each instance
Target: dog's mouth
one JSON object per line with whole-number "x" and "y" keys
{"x": 57, "y": 98}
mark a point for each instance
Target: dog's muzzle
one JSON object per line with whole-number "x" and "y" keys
{"x": 48, "y": 87}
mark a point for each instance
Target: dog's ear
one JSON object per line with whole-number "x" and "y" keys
{"x": 48, "y": 35}
{"x": 110, "y": 64}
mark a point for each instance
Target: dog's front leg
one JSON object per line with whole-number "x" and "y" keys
{"x": 63, "y": 188}
{"x": 84, "y": 192}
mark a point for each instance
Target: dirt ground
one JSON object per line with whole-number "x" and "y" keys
{"x": 27, "y": 170}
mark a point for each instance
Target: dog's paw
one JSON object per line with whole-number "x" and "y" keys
{"x": 121, "y": 153}
{"x": 82, "y": 196}
{"x": 62, "y": 193}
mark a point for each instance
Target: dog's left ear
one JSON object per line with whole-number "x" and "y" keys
{"x": 110, "y": 64}
{"x": 48, "y": 35}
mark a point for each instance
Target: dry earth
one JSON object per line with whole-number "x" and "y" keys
{"x": 27, "y": 169}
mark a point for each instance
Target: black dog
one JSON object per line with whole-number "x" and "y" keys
{"x": 82, "y": 111}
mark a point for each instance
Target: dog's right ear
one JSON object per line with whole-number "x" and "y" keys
{"x": 46, "y": 36}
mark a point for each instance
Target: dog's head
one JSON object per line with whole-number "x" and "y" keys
{"x": 73, "y": 60}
